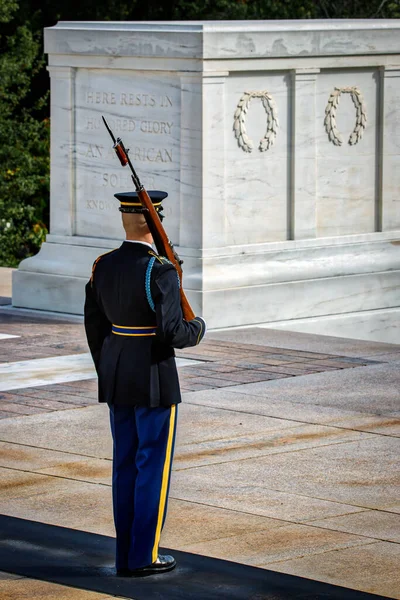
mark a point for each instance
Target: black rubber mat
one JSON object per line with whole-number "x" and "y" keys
{"x": 85, "y": 560}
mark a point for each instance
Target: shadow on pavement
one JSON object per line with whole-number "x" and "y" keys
{"x": 85, "y": 560}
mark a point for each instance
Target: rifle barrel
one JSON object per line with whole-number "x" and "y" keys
{"x": 109, "y": 130}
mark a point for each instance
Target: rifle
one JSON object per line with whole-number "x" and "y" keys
{"x": 161, "y": 240}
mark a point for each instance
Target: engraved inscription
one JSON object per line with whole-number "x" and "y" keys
{"x": 101, "y": 98}
{"x": 97, "y": 151}
{"x": 94, "y": 124}
{"x": 158, "y": 155}
{"x": 103, "y": 205}
{"x": 163, "y": 155}
{"x": 147, "y": 122}
{"x": 118, "y": 180}
{"x": 112, "y": 207}
{"x": 125, "y": 99}
{"x": 156, "y": 127}
{"x": 117, "y": 125}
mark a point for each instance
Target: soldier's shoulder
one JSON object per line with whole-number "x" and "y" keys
{"x": 159, "y": 262}
{"x": 102, "y": 258}
{"x": 159, "y": 258}
{"x": 160, "y": 266}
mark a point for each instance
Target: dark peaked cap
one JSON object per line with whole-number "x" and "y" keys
{"x": 130, "y": 200}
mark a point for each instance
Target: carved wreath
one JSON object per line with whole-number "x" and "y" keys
{"x": 330, "y": 115}
{"x": 239, "y": 126}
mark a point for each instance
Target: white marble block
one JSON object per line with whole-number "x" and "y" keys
{"x": 277, "y": 141}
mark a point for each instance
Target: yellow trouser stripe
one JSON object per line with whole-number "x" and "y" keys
{"x": 164, "y": 483}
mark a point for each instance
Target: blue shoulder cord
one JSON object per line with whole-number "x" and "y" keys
{"x": 148, "y": 281}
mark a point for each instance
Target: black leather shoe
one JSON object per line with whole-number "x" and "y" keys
{"x": 163, "y": 564}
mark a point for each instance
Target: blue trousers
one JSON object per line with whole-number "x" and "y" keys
{"x": 143, "y": 450}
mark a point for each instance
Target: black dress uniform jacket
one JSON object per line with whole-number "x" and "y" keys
{"x": 136, "y": 370}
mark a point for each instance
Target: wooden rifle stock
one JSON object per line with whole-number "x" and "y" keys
{"x": 164, "y": 246}
{"x": 161, "y": 241}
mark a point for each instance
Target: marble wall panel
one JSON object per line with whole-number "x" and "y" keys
{"x": 347, "y": 174}
{"x": 62, "y": 192}
{"x": 256, "y": 183}
{"x": 391, "y": 149}
{"x": 142, "y": 108}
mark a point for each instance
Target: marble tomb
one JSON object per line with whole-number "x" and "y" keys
{"x": 279, "y": 145}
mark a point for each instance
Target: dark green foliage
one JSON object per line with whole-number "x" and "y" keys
{"x": 243, "y": 9}
{"x": 358, "y": 9}
{"x": 48, "y": 12}
{"x": 24, "y": 141}
{"x": 7, "y": 8}
{"x": 20, "y": 233}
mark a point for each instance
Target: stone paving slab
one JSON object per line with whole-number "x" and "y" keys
{"x": 21, "y": 457}
{"x": 391, "y": 357}
{"x": 45, "y": 371}
{"x": 74, "y": 504}
{"x": 296, "y": 411}
{"x": 24, "y": 588}
{"x": 371, "y": 424}
{"x": 338, "y": 473}
{"x": 83, "y": 431}
{"x": 294, "y": 340}
{"x": 20, "y": 484}
{"x": 373, "y": 568}
{"x": 221, "y": 489}
{"x": 372, "y": 523}
{"x": 90, "y": 470}
{"x": 277, "y": 544}
{"x": 229, "y": 449}
{"x": 372, "y": 389}
{"x": 15, "y": 409}
{"x": 209, "y": 523}
{"x": 216, "y": 425}
{"x": 62, "y": 392}
{"x": 6, "y": 415}
{"x": 42, "y": 403}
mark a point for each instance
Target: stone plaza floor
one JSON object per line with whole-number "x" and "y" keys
{"x": 286, "y": 459}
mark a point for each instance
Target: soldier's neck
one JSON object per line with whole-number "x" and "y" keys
{"x": 140, "y": 238}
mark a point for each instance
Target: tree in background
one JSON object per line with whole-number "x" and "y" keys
{"x": 358, "y": 9}
{"x": 273, "y": 9}
{"x": 47, "y": 12}
{"x": 24, "y": 141}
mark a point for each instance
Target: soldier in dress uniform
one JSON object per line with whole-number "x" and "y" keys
{"x": 133, "y": 322}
